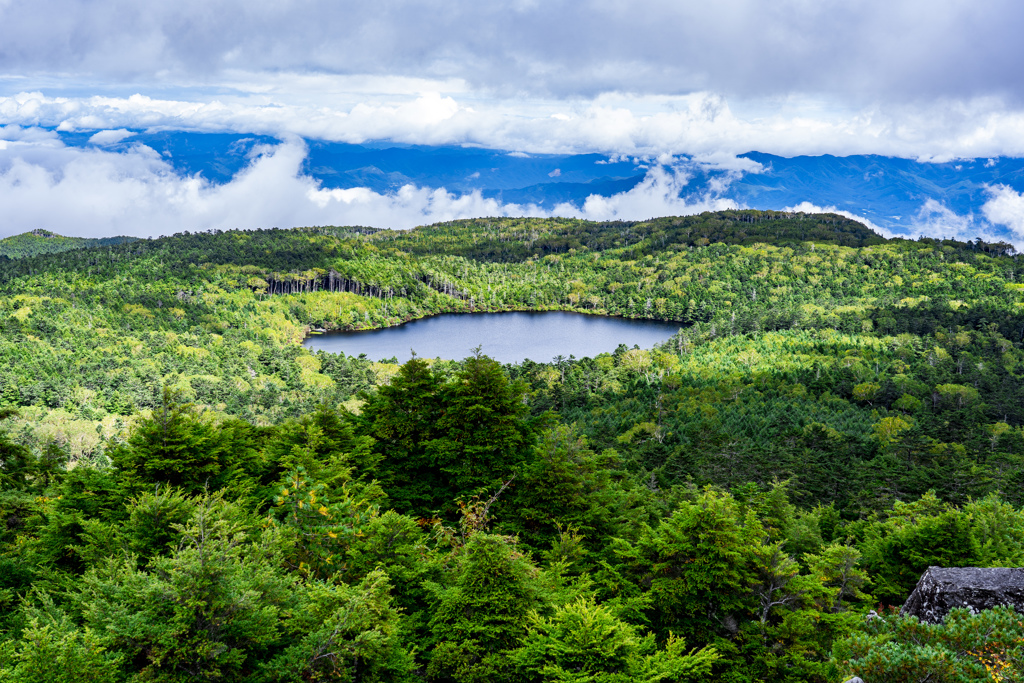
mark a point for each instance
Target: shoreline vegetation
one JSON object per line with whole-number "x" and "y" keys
{"x": 187, "y": 493}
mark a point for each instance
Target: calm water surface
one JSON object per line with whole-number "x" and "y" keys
{"x": 505, "y": 337}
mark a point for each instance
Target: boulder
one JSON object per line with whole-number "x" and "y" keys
{"x": 942, "y": 589}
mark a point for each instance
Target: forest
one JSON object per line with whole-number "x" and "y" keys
{"x": 40, "y": 241}
{"x": 188, "y": 494}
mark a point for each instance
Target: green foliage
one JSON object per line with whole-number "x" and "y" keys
{"x": 209, "y": 610}
{"x": 186, "y": 493}
{"x": 566, "y": 486}
{"x": 46, "y": 242}
{"x": 402, "y": 416}
{"x": 322, "y": 528}
{"x": 150, "y": 530}
{"x": 584, "y": 641}
{"x": 482, "y": 617}
{"x": 324, "y": 444}
{"x": 346, "y": 633}
{"x": 484, "y": 430}
{"x": 841, "y": 579}
{"x": 175, "y": 447}
{"x": 53, "y": 650}
{"x": 17, "y": 465}
{"x": 966, "y": 647}
{"x": 698, "y": 566}
{"x": 440, "y": 439}
{"x": 916, "y": 536}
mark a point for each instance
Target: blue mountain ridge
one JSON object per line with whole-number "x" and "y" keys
{"x": 888, "y": 191}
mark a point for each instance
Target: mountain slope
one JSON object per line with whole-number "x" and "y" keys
{"x": 45, "y": 242}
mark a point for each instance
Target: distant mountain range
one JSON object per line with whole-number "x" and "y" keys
{"x": 890, "y": 192}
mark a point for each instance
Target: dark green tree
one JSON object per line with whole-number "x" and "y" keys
{"x": 440, "y": 440}
{"x": 211, "y": 610}
{"x": 175, "y": 446}
{"x": 566, "y": 485}
{"x": 584, "y": 641}
{"x": 482, "y": 617}
{"x": 18, "y": 466}
{"x": 402, "y": 417}
{"x": 697, "y": 564}
{"x": 485, "y": 432}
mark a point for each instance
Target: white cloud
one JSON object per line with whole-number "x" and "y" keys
{"x": 1003, "y": 211}
{"x": 808, "y": 207}
{"x": 110, "y": 137}
{"x": 928, "y": 79}
{"x": 934, "y": 219}
{"x": 1005, "y": 206}
{"x": 702, "y": 124}
{"x": 657, "y": 195}
{"x": 409, "y": 206}
{"x": 934, "y": 80}
{"x": 92, "y": 191}
{"x": 873, "y": 50}
{"x": 732, "y": 164}
{"x": 95, "y": 192}
{"x": 28, "y": 135}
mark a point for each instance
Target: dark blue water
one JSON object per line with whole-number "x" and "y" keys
{"x": 505, "y": 337}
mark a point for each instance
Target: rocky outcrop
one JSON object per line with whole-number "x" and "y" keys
{"x": 942, "y": 589}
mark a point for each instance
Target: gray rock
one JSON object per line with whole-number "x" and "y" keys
{"x": 942, "y": 589}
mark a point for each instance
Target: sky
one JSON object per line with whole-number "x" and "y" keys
{"x": 935, "y": 81}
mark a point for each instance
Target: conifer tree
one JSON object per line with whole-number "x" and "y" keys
{"x": 174, "y": 446}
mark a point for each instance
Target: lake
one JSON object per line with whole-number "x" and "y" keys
{"x": 505, "y": 337}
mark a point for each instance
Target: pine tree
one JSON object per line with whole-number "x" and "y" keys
{"x": 174, "y": 446}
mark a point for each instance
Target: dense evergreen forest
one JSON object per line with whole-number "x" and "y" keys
{"x": 45, "y": 242}
{"x": 188, "y": 494}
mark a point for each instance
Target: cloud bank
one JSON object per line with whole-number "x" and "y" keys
{"x": 1001, "y": 219}
{"x": 1005, "y": 206}
{"x": 929, "y": 79}
{"x": 93, "y": 192}
{"x": 700, "y": 124}
{"x": 869, "y": 50}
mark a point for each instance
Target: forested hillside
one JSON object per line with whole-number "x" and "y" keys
{"x": 189, "y": 494}
{"x": 46, "y": 242}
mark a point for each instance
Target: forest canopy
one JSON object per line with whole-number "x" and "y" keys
{"x": 189, "y": 494}
{"x": 40, "y": 241}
